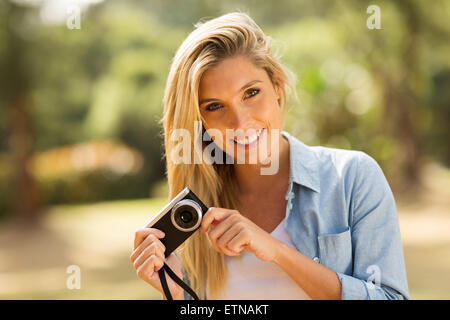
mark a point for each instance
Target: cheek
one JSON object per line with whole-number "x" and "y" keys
{"x": 212, "y": 121}
{"x": 270, "y": 111}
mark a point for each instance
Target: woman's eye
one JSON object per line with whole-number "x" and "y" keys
{"x": 213, "y": 106}
{"x": 250, "y": 93}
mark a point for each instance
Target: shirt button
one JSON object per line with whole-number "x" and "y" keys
{"x": 316, "y": 259}
{"x": 290, "y": 194}
{"x": 289, "y": 206}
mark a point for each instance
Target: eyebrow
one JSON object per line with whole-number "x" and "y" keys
{"x": 249, "y": 84}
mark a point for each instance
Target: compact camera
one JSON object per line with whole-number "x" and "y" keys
{"x": 179, "y": 219}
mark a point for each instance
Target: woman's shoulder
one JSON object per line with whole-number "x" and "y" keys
{"x": 332, "y": 166}
{"x": 323, "y": 153}
{"x": 339, "y": 158}
{"x": 353, "y": 167}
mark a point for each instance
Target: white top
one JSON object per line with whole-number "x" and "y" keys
{"x": 252, "y": 279}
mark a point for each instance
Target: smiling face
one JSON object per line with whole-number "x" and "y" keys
{"x": 237, "y": 95}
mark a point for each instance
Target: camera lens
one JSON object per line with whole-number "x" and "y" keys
{"x": 186, "y": 215}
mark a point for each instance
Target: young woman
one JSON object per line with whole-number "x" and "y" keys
{"x": 323, "y": 225}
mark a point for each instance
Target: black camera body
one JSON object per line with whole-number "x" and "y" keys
{"x": 179, "y": 219}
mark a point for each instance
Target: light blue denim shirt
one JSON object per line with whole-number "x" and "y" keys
{"x": 342, "y": 214}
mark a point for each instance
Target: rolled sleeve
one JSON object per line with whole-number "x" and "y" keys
{"x": 356, "y": 289}
{"x": 378, "y": 263}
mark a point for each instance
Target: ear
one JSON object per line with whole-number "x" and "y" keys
{"x": 278, "y": 91}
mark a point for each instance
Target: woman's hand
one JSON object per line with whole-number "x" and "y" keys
{"x": 231, "y": 233}
{"x": 148, "y": 258}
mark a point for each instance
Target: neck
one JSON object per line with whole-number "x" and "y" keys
{"x": 252, "y": 182}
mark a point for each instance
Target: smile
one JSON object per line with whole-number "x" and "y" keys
{"x": 249, "y": 141}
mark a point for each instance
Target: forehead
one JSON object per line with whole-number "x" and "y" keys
{"x": 228, "y": 77}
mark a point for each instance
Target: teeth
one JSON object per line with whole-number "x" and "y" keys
{"x": 249, "y": 140}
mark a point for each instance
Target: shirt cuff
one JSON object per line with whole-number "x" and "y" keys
{"x": 352, "y": 288}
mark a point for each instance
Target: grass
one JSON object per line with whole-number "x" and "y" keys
{"x": 99, "y": 238}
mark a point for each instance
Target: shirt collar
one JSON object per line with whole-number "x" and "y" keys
{"x": 304, "y": 164}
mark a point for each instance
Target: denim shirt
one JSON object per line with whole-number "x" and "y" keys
{"x": 342, "y": 214}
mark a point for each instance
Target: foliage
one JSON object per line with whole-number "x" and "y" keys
{"x": 381, "y": 91}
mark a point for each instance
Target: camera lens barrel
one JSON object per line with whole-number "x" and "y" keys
{"x": 186, "y": 215}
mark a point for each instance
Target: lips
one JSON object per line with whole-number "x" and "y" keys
{"x": 248, "y": 140}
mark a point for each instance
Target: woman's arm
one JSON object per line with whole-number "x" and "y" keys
{"x": 378, "y": 263}
{"x": 319, "y": 282}
{"x": 231, "y": 233}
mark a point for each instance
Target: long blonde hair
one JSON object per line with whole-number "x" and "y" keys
{"x": 212, "y": 41}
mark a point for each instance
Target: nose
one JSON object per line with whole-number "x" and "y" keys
{"x": 240, "y": 118}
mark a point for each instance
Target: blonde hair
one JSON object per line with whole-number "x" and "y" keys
{"x": 211, "y": 42}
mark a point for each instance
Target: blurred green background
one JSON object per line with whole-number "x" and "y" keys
{"x": 81, "y": 151}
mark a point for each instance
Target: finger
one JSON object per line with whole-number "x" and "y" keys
{"x": 151, "y": 238}
{"x": 142, "y": 233}
{"x": 218, "y": 230}
{"x": 214, "y": 214}
{"x": 224, "y": 241}
{"x": 240, "y": 241}
{"x": 151, "y": 265}
{"x": 153, "y": 249}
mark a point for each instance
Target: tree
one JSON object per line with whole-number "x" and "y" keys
{"x": 18, "y": 100}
